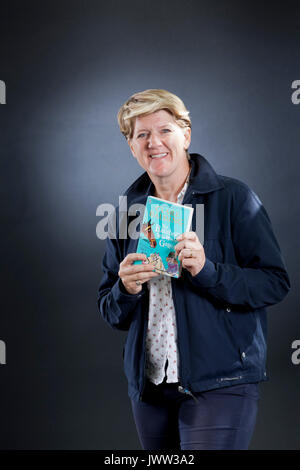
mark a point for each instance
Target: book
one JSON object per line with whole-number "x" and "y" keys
{"x": 163, "y": 222}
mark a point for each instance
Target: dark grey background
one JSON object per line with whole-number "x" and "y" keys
{"x": 68, "y": 67}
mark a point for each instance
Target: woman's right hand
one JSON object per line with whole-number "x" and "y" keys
{"x": 129, "y": 273}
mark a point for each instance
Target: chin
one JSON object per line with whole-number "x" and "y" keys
{"x": 160, "y": 173}
{"x": 165, "y": 170}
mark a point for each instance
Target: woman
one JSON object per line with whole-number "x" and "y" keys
{"x": 196, "y": 346}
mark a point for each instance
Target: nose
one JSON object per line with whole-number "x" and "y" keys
{"x": 153, "y": 140}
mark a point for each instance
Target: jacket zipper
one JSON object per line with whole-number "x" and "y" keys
{"x": 144, "y": 379}
{"x": 144, "y": 351}
{"x": 188, "y": 392}
{"x": 181, "y": 389}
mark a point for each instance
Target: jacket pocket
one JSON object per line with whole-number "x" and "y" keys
{"x": 249, "y": 338}
{"x": 236, "y": 325}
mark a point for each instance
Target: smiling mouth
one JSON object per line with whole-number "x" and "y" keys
{"x": 159, "y": 155}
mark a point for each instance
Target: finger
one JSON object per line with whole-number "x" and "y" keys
{"x": 131, "y": 257}
{"x": 135, "y": 268}
{"x": 187, "y": 236}
{"x": 189, "y": 262}
{"x": 185, "y": 244}
{"x": 188, "y": 253}
{"x": 142, "y": 277}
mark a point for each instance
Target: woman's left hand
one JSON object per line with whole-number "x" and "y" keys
{"x": 190, "y": 251}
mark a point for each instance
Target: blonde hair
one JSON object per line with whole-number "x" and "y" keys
{"x": 147, "y": 102}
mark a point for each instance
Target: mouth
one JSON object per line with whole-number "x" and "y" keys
{"x": 158, "y": 155}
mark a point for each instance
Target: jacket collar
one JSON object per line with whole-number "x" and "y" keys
{"x": 203, "y": 179}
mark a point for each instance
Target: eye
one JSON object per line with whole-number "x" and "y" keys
{"x": 165, "y": 131}
{"x": 141, "y": 135}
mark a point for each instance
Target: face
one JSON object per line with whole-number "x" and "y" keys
{"x": 159, "y": 144}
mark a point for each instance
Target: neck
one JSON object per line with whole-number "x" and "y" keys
{"x": 164, "y": 189}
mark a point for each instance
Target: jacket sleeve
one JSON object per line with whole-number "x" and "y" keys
{"x": 114, "y": 302}
{"x": 259, "y": 278}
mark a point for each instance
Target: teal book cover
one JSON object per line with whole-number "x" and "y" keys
{"x": 163, "y": 222}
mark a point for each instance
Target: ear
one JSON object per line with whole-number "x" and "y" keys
{"x": 129, "y": 141}
{"x": 187, "y": 137}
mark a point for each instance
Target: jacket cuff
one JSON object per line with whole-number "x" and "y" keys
{"x": 122, "y": 296}
{"x": 206, "y": 277}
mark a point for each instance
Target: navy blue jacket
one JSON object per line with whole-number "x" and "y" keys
{"x": 220, "y": 312}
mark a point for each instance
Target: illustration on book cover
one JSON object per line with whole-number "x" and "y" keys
{"x": 163, "y": 222}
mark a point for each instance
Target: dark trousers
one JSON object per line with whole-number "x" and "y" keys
{"x": 221, "y": 419}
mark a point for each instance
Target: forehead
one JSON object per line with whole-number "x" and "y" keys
{"x": 158, "y": 118}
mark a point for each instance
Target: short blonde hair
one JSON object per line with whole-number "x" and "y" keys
{"x": 147, "y": 102}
